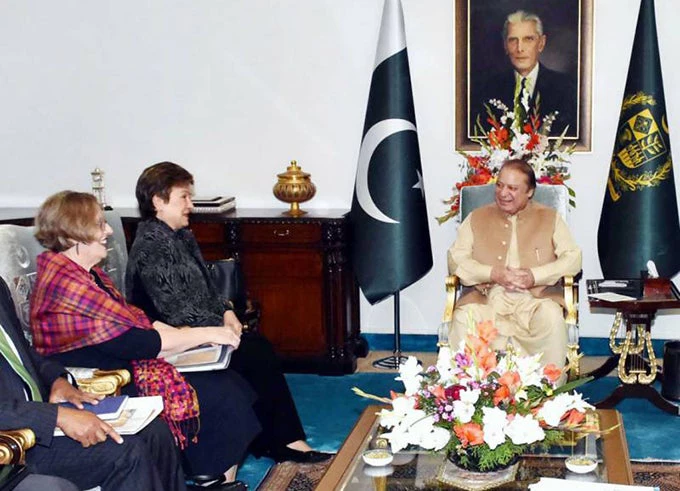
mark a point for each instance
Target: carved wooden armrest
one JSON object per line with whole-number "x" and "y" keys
{"x": 13, "y": 445}
{"x": 103, "y": 382}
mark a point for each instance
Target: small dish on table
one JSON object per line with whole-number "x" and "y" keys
{"x": 581, "y": 464}
{"x": 378, "y": 457}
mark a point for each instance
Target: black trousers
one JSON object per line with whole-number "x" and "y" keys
{"x": 256, "y": 361}
{"x": 148, "y": 460}
{"x": 228, "y": 423}
{"x": 33, "y": 482}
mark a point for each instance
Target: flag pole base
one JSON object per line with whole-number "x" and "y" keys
{"x": 391, "y": 362}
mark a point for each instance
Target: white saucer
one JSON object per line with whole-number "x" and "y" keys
{"x": 377, "y": 457}
{"x": 581, "y": 464}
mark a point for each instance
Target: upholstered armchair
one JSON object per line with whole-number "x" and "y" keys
{"x": 556, "y": 197}
{"x": 18, "y": 252}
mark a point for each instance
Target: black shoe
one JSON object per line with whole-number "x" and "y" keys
{"x": 215, "y": 483}
{"x": 227, "y": 486}
{"x": 233, "y": 486}
{"x": 288, "y": 454}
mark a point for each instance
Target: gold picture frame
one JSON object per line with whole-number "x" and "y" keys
{"x": 568, "y": 25}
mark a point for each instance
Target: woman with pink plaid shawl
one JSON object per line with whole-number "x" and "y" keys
{"x": 80, "y": 318}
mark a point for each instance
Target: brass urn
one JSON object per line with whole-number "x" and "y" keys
{"x": 294, "y": 187}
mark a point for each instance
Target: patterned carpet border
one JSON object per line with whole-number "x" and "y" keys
{"x": 289, "y": 476}
{"x": 664, "y": 475}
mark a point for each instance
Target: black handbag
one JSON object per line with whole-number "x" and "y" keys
{"x": 228, "y": 278}
{"x": 231, "y": 286}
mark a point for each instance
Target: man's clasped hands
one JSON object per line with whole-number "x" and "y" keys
{"x": 512, "y": 279}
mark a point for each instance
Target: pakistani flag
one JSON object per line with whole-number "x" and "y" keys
{"x": 390, "y": 236}
{"x": 639, "y": 218}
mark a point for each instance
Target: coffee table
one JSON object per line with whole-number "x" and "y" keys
{"x": 417, "y": 470}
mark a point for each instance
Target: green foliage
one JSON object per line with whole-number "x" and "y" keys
{"x": 481, "y": 458}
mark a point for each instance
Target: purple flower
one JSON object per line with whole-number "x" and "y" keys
{"x": 462, "y": 360}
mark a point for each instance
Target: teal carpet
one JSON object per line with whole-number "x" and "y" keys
{"x": 329, "y": 409}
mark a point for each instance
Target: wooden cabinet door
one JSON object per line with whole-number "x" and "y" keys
{"x": 289, "y": 286}
{"x": 283, "y": 264}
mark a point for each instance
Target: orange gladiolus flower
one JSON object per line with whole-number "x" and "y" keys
{"x": 469, "y": 434}
{"x": 574, "y": 418}
{"x": 551, "y": 372}
{"x": 501, "y": 394}
{"x": 475, "y": 161}
{"x": 493, "y": 122}
{"x": 510, "y": 379}
{"x": 533, "y": 141}
{"x": 486, "y": 331}
{"x": 438, "y": 392}
{"x": 474, "y": 345}
{"x": 487, "y": 361}
{"x": 481, "y": 177}
{"x": 498, "y": 137}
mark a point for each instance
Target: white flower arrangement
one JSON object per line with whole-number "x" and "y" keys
{"x": 485, "y": 407}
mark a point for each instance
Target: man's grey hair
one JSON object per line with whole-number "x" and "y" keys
{"x": 522, "y": 16}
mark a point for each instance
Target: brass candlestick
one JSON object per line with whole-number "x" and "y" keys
{"x": 294, "y": 187}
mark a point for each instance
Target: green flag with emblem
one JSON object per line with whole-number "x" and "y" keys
{"x": 639, "y": 220}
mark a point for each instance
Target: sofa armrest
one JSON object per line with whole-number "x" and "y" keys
{"x": 13, "y": 445}
{"x": 102, "y": 382}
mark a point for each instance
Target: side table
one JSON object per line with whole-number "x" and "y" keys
{"x": 636, "y": 370}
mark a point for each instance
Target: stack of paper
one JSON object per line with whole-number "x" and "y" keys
{"x": 136, "y": 414}
{"x": 107, "y": 409}
{"x": 611, "y": 297}
{"x": 202, "y": 358}
{"x": 214, "y": 204}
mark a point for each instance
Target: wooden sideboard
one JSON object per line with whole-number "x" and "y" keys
{"x": 298, "y": 269}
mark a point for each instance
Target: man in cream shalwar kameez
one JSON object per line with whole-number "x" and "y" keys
{"x": 513, "y": 252}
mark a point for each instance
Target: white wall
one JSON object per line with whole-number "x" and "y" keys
{"x": 234, "y": 89}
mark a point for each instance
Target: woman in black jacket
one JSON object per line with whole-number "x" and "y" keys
{"x": 167, "y": 278}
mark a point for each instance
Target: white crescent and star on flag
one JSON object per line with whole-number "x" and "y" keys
{"x": 374, "y": 136}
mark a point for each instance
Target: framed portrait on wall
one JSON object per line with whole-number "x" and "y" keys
{"x": 491, "y": 62}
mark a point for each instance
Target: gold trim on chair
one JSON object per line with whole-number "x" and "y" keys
{"x": 571, "y": 320}
{"x": 105, "y": 382}
{"x": 451, "y": 283}
{"x": 13, "y": 445}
